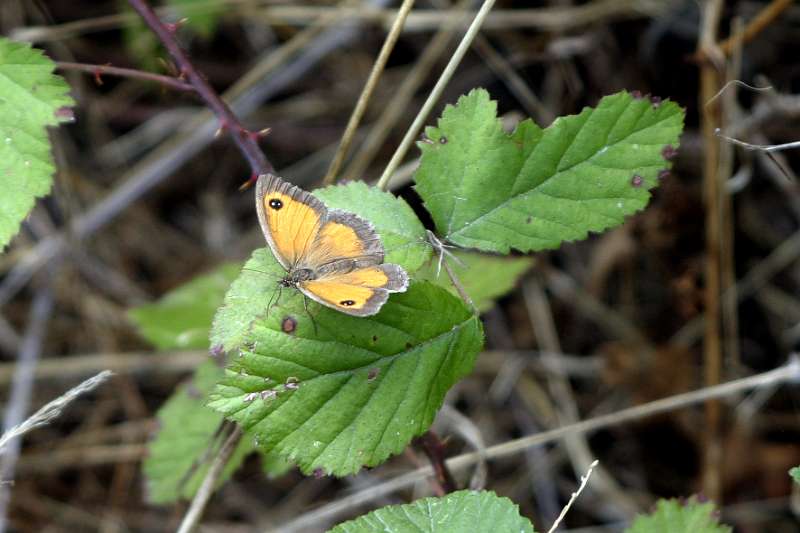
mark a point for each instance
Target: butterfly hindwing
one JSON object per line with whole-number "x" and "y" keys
{"x": 290, "y": 218}
{"x": 360, "y": 292}
{"x": 344, "y": 235}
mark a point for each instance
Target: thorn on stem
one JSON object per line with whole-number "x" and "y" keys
{"x": 173, "y": 27}
{"x": 63, "y": 114}
{"x": 249, "y": 183}
{"x": 98, "y": 75}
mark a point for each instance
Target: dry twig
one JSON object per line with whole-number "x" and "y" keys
{"x": 366, "y": 94}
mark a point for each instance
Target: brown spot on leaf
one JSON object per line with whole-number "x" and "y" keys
{"x": 373, "y": 373}
{"x": 637, "y": 180}
{"x": 669, "y": 152}
{"x": 288, "y": 325}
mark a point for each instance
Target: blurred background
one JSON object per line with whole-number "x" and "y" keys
{"x": 146, "y": 199}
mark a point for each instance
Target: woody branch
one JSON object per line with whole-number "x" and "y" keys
{"x": 246, "y": 140}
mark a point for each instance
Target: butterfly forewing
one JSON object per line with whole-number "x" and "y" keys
{"x": 345, "y": 236}
{"x": 290, "y": 218}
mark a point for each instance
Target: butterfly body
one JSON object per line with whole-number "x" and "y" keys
{"x": 334, "y": 257}
{"x": 297, "y": 276}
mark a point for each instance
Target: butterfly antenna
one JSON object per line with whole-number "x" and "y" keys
{"x": 261, "y": 272}
{"x": 273, "y": 300}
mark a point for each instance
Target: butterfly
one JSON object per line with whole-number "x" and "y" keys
{"x": 334, "y": 257}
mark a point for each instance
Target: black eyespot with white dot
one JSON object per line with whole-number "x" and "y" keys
{"x": 347, "y": 303}
{"x": 275, "y": 203}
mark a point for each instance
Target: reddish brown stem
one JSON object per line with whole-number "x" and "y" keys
{"x": 99, "y": 70}
{"x": 434, "y": 450}
{"x": 228, "y": 121}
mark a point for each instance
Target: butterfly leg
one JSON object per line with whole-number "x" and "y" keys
{"x": 273, "y": 300}
{"x": 310, "y": 316}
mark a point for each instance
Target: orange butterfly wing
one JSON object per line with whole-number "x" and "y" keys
{"x": 360, "y": 292}
{"x": 344, "y": 236}
{"x": 290, "y": 218}
{"x": 342, "y": 249}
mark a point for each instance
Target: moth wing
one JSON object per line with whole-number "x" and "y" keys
{"x": 360, "y": 292}
{"x": 290, "y": 218}
{"x": 344, "y": 236}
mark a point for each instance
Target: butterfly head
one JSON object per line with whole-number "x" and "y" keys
{"x": 296, "y": 276}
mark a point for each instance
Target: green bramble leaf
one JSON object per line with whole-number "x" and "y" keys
{"x": 31, "y": 98}
{"x": 186, "y": 440}
{"x": 402, "y": 234}
{"x": 795, "y": 473}
{"x": 672, "y": 516}
{"x": 334, "y": 392}
{"x": 484, "y": 277}
{"x": 464, "y": 510}
{"x": 534, "y": 189}
{"x": 182, "y": 318}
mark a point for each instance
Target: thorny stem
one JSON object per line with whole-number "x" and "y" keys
{"x": 244, "y": 139}
{"x": 99, "y": 70}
